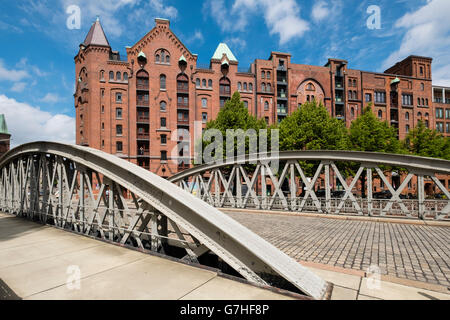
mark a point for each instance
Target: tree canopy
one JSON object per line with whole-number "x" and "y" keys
{"x": 425, "y": 142}
{"x": 312, "y": 128}
{"x": 368, "y": 133}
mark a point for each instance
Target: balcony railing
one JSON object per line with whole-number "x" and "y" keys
{"x": 281, "y": 95}
{"x": 183, "y": 88}
{"x": 142, "y": 102}
{"x": 225, "y": 92}
{"x": 144, "y": 152}
{"x": 142, "y": 118}
{"x": 339, "y": 99}
{"x": 144, "y": 136}
{"x": 142, "y": 86}
{"x": 183, "y": 104}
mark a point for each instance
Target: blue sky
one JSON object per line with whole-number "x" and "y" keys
{"x": 37, "y": 69}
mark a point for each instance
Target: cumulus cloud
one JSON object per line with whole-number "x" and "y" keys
{"x": 197, "y": 37}
{"x": 427, "y": 33}
{"x": 27, "y": 123}
{"x": 51, "y": 98}
{"x": 13, "y": 75}
{"x": 320, "y": 11}
{"x": 282, "y": 17}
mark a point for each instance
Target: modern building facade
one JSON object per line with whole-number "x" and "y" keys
{"x": 441, "y": 105}
{"x": 133, "y": 107}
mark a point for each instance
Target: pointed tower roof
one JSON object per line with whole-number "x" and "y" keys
{"x": 96, "y": 35}
{"x": 3, "y": 126}
{"x": 222, "y": 49}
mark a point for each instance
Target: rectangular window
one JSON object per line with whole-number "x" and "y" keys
{"x": 447, "y": 114}
{"x": 368, "y": 97}
{"x": 440, "y": 127}
{"x": 119, "y": 146}
{"x": 204, "y": 117}
{"x": 439, "y": 113}
{"x": 163, "y": 139}
{"x": 119, "y": 130}
{"x": 380, "y": 97}
{"x": 447, "y": 127}
{"x": 163, "y": 155}
{"x": 119, "y": 113}
{"x": 163, "y": 122}
{"x": 407, "y": 99}
{"x": 205, "y": 103}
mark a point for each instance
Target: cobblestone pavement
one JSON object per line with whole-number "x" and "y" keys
{"x": 414, "y": 252}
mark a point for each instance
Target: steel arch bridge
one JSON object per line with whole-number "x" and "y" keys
{"x": 90, "y": 192}
{"x": 235, "y": 184}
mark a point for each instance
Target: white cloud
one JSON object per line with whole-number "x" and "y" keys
{"x": 166, "y": 11}
{"x": 427, "y": 33}
{"x": 236, "y": 43}
{"x": 320, "y": 11}
{"x": 51, "y": 98}
{"x": 281, "y": 17}
{"x": 27, "y": 123}
{"x": 18, "y": 87}
{"x": 197, "y": 37}
{"x": 11, "y": 74}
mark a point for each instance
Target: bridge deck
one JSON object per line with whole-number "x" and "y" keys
{"x": 34, "y": 262}
{"x": 403, "y": 250}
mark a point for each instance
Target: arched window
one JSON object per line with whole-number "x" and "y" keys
{"x": 423, "y": 101}
{"x": 204, "y": 83}
{"x": 102, "y": 75}
{"x": 266, "y": 106}
{"x": 246, "y": 104}
{"x": 418, "y": 101}
{"x": 263, "y": 87}
{"x": 407, "y": 128}
{"x": 250, "y": 87}
{"x": 157, "y": 58}
{"x": 239, "y": 86}
{"x": 125, "y": 76}
{"x": 162, "y": 106}
{"x": 118, "y": 76}
{"x": 352, "y": 112}
{"x": 380, "y": 114}
{"x": 269, "y": 88}
{"x": 245, "y": 86}
{"x": 167, "y": 59}
{"x": 426, "y": 101}
{"x": 162, "y": 82}
{"x": 263, "y": 75}
{"x": 111, "y": 75}
{"x": 197, "y": 82}
{"x": 422, "y": 87}
{"x": 407, "y": 116}
{"x": 268, "y": 75}
{"x": 310, "y": 87}
{"x": 209, "y": 83}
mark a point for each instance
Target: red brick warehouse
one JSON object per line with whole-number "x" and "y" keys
{"x": 130, "y": 107}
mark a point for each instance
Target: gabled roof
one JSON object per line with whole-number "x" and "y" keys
{"x": 96, "y": 35}
{"x": 3, "y": 126}
{"x": 222, "y": 49}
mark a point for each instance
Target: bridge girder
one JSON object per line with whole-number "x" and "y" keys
{"x": 54, "y": 183}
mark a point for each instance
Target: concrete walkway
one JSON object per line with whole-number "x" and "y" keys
{"x": 38, "y": 262}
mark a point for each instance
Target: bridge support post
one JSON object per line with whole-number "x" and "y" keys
{"x": 327, "y": 188}
{"x": 421, "y": 195}
{"x": 369, "y": 192}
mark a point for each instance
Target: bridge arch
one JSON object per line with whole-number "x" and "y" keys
{"x": 85, "y": 190}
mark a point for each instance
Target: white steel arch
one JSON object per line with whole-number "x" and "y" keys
{"x": 95, "y": 193}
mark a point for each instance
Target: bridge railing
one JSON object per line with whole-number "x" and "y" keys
{"x": 237, "y": 184}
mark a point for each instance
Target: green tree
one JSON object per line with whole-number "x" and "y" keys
{"x": 234, "y": 115}
{"x": 312, "y": 128}
{"x": 368, "y": 133}
{"x": 425, "y": 142}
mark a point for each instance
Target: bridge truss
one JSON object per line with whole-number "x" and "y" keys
{"x": 236, "y": 184}
{"x": 97, "y": 194}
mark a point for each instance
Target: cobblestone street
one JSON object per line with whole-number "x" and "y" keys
{"x": 414, "y": 252}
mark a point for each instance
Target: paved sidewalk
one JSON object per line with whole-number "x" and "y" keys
{"x": 36, "y": 262}
{"x": 403, "y": 250}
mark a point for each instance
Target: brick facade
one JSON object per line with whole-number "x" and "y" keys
{"x": 160, "y": 79}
